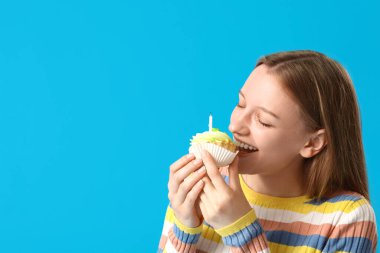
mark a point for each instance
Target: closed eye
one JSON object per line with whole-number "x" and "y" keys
{"x": 262, "y": 123}
{"x": 266, "y": 125}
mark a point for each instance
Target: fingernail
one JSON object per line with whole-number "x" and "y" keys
{"x": 191, "y": 155}
{"x": 203, "y": 153}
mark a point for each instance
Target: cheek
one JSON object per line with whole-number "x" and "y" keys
{"x": 277, "y": 144}
{"x": 276, "y": 148}
{"x": 285, "y": 146}
{"x": 270, "y": 143}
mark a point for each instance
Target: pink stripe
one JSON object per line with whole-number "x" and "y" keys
{"x": 179, "y": 245}
{"x": 163, "y": 241}
{"x": 357, "y": 229}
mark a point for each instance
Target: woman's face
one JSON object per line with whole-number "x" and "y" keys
{"x": 269, "y": 120}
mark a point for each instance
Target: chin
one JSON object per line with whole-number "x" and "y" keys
{"x": 244, "y": 168}
{"x": 248, "y": 166}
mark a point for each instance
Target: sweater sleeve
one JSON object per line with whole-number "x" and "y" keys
{"x": 245, "y": 235}
{"x": 176, "y": 237}
{"x": 355, "y": 231}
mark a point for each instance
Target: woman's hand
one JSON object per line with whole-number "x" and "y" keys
{"x": 184, "y": 188}
{"x": 222, "y": 204}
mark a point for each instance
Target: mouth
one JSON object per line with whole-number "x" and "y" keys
{"x": 244, "y": 147}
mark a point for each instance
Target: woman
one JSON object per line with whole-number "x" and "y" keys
{"x": 305, "y": 187}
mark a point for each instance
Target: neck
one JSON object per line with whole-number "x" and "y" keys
{"x": 289, "y": 184}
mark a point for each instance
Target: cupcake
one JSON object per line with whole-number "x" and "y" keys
{"x": 221, "y": 147}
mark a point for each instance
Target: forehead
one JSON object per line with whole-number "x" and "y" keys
{"x": 264, "y": 89}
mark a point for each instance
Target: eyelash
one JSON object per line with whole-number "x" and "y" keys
{"x": 263, "y": 124}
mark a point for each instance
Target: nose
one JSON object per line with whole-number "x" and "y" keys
{"x": 238, "y": 125}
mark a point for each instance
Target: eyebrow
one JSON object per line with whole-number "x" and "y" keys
{"x": 261, "y": 108}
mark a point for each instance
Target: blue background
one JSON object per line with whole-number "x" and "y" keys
{"x": 97, "y": 99}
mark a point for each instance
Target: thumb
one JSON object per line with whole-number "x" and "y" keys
{"x": 233, "y": 173}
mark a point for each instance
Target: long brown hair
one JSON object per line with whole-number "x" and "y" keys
{"x": 326, "y": 95}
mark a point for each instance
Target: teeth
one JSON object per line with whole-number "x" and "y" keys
{"x": 244, "y": 145}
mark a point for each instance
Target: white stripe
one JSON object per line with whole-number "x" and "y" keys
{"x": 169, "y": 247}
{"x": 222, "y": 248}
{"x": 264, "y": 251}
{"x": 167, "y": 227}
{"x": 362, "y": 213}
{"x": 211, "y": 246}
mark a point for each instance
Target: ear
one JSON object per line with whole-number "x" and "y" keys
{"x": 315, "y": 144}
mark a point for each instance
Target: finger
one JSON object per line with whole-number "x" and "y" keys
{"x": 186, "y": 171}
{"x": 233, "y": 173}
{"x": 213, "y": 171}
{"x": 178, "y": 177}
{"x": 208, "y": 189}
{"x": 193, "y": 194}
{"x": 189, "y": 176}
{"x": 208, "y": 184}
{"x": 187, "y": 185}
{"x": 181, "y": 162}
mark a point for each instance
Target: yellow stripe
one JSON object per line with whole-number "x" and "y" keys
{"x": 171, "y": 218}
{"x": 207, "y": 232}
{"x": 275, "y": 247}
{"x": 169, "y": 215}
{"x": 186, "y": 229}
{"x": 238, "y": 225}
{"x": 297, "y": 204}
{"x": 210, "y": 234}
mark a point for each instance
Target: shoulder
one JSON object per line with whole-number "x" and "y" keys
{"x": 353, "y": 206}
{"x": 347, "y": 197}
{"x": 358, "y": 208}
{"x": 355, "y": 218}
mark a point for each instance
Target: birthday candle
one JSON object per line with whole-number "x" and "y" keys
{"x": 210, "y": 122}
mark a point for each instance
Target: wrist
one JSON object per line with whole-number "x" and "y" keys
{"x": 238, "y": 224}
{"x": 190, "y": 223}
{"x": 190, "y": 227}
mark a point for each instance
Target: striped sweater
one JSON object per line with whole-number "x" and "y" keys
{"x": 342, "y": 223}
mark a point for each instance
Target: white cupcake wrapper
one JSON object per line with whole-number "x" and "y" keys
{"x": 222, "y": 156}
